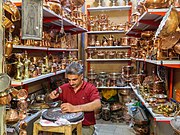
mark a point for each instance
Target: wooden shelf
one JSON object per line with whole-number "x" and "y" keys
{"x": 96, "y": 9}
{"x": 30, "y": 80}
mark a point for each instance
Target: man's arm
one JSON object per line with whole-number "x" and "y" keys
{"x": 92, "y": 106}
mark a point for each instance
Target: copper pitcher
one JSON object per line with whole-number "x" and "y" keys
{"x": 8, "y": 48}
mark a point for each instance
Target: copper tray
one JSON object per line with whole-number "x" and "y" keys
{"x": 54, "y": 114}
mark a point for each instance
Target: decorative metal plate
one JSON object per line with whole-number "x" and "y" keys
{"x": 54, "y": 114}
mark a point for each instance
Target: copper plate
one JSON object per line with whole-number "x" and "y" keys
{"x": 169, "y": 41}
{"x": 55, "y": 113}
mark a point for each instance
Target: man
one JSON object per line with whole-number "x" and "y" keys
{"x": 78, "y": 96}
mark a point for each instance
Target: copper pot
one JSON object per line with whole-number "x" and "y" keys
{"x": 5, "y": 98}
{"x": 12, "y": 116}
{"x": 55, "y": 7}
{"x": 116, "y": 106}
{"x": 40, "y": 98}
{"x": 176, "y": 3}
{"x": 133, "y": 41}
{"x": 147, "y": 34}
{"x": 23, "y": 94}
{"x": 76, "y": 3}
{"x": 124, "y": 41}
{"x": 22, "y": 132}
{"x": 124, "y": 92}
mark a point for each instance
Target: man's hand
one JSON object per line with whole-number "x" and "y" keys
{"x": 54, "y": 94}
{"x": 67, "y": 107}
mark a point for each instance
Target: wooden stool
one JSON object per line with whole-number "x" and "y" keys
{"x": 67, "y": 130}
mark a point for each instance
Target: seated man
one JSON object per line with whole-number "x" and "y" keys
{"x": 78, "y": 96}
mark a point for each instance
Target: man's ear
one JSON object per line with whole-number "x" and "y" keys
{"x": 82, "y": 76}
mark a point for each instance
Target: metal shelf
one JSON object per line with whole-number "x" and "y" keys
{"x": 157, "y": 117}
{"x": 108, "y": 47}
{"x": 106, "y": 32}
{"x": 30, "y": 80}
{"x": 61, "y": 49}
{"x": 149, "y": 20}
{"x": 107, "y": 60}
{"x": 42, "y": 48}
{"x": 167, "y": 63}
{"x": 123, "y": 87}
{"x": 51, "y": 18}
{"x": 29, "y": 47}
{"x": 95, "y": 9}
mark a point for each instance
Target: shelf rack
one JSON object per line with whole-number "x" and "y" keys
{"x": 52, "y": 18}
{"x": 149, "y": 20}
{"x": 157, "y": 117}
{"x": 166, "y": 63}
{"x": 107, "y": 60}
{"x": 106, "y": 32}
{"x": 30, "y": 80}
{"x": 123, "y": 87}
{"x": 95, "y": 9}
{"x": 108, "y": 47}
{"x": 41, "y": 48}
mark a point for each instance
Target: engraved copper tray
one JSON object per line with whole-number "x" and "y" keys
{"x": 54, "y": 114}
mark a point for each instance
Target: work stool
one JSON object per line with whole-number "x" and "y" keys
{"x": 67, "y": 130}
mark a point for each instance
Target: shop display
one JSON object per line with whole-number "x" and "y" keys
{"x": 124, "y": 60}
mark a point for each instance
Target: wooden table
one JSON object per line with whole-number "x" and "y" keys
{"x": 67, "y": 130}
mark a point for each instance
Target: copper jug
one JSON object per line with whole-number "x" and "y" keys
{"x": 110, "y": 40}
{"x": 8, "y": 48}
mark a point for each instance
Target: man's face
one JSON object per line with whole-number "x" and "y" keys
{"x": 74, "y": 80}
